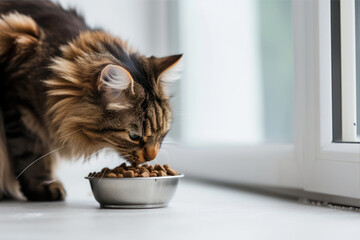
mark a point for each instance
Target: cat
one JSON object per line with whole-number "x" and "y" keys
{"x": 69, "y": 90}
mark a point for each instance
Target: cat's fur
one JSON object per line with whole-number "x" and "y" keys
{"x": 69, "y": 89}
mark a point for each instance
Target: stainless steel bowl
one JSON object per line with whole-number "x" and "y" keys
{"x": 151, "y": 192}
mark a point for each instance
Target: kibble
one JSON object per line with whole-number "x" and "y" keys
{"x": 124, "y": 171}
{"x": 129, "y": 173}
{"x": 171, "y": 171}
{"x": 111, "y": 175}
{"x": 159, "y": 168}
{"x": 145, "y": 174}
{"x": 144, "y": 169}
{"x": 162, "y": 173}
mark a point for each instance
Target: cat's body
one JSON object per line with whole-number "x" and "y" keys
{"x": 73, "y": 90}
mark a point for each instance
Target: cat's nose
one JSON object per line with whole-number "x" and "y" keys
{"x": 150, "y": 151}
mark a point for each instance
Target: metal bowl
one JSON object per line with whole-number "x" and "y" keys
{"x": 151, "y": 192}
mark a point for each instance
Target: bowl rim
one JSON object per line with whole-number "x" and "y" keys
{"x": 136, "y": 178}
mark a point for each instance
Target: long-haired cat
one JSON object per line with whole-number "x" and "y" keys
{"x": 70, "y": 89}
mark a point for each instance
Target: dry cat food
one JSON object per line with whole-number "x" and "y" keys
{"x": 145, "y": 170}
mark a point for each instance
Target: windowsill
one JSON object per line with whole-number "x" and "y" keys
{"x": 198, "y": 210}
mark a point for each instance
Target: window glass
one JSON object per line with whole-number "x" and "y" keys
{"x": 357, "y": 39}
{"x": 345, "y": 53}
{"x": 237, "y": 86}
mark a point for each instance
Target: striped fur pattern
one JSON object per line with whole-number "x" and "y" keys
{"x": 72, "y": 90}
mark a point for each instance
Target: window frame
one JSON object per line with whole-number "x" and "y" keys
{"x": 331, "y": 168}
{"x": 313, "y": 163}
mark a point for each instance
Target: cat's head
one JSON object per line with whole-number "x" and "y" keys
{"x": 103, "y": 94}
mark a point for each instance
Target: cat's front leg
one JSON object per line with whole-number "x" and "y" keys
{"x": 44, "y": 191}
{"x": 35, "y": 173}
{"x": 34, "y": 167}
{"x": 37, "y": 182}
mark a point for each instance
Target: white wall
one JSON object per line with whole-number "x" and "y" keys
{"x": 142, "y": 22}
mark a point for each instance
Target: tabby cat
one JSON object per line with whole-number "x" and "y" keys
{"x": 66, "y": 88}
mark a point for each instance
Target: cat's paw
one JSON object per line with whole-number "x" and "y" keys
{"x": 46, "y": 191}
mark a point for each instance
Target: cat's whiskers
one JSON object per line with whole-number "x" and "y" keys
{"x": 179, "y": 115}
{"x": 69, "y": 134}
{"x": 107, "y": 154}
{"x": 171, "y": 143}
{"x": 163, "y": 150}
{"x": 103, "y": 149}
{"x": 102, "y": 176}
{"x": 38, "y": 160}
{"x": 124, "y": 156}
{"x": 55, "y": 150}
{"x": 50, "y": 181}
{"x": 166, "y": 155}
{"x": 155, "y": 161}
{"x": 168, "y": 158}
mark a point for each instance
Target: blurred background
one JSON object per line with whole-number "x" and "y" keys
{"x": 237, "y": 84}
{"x": 269, "y": 102}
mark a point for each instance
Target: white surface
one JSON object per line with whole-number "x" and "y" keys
{"x": 269, "y": 164}
{"x": 198, "y": 211}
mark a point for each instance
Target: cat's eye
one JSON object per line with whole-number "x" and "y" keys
{"x": 133, "y": 136}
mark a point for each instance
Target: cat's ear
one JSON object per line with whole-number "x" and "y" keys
{"x": 169, "y": 70}
{"x": 114, "y": 84}
{"x": 17, "y": 31}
